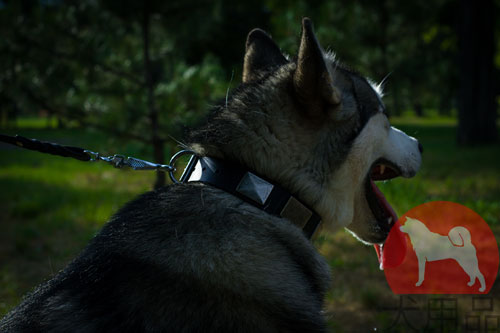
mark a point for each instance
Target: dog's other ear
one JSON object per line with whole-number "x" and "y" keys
{"x": 261, "y": 53}
{"x": 312, "y": 82}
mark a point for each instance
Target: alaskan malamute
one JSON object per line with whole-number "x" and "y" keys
{"x": 300, "y": 142}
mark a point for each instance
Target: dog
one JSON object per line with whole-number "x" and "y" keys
{"x": 308, "y": 134}
{"x": 431, "y": 246}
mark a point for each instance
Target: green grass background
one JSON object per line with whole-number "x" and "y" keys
{"x": 51, "y": 206}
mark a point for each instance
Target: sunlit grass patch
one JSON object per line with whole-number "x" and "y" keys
{"x": 435, "y": 120}
{"x": 36, "y": 122}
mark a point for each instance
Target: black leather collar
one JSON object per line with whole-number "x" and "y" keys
{"x": 253, "y": 189}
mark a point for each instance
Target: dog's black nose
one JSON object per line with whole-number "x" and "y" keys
{"x": 420, "y": 148}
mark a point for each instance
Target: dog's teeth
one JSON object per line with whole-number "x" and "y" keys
{"x": 382, "y": 169}
{"x": 389, "y": 220}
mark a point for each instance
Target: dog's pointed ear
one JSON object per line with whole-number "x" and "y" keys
{"x": 261, "y": 53}
{"x": 312, "y": 81}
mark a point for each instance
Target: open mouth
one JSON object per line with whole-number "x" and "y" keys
{"x": 382, "y": 211}
{"x": 384, "y": 214}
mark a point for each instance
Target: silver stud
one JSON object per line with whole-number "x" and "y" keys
{"x": 254, "y": 188}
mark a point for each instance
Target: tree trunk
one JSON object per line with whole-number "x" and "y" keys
{"x": 477, "y": 105}
{"x": 419, "y": 110}
{"x": 4, "y": 121}
{"x": 396, "y": 108}
{"x": 158, "y": 153}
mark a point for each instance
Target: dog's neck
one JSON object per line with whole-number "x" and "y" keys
{"x": 259, "y": 192}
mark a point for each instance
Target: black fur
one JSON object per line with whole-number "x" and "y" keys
{"x": 186, "y": 258}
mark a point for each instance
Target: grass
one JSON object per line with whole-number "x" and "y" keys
{"x": 51, "y": 206}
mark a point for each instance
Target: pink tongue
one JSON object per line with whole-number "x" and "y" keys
{"x": 392, "y": 252}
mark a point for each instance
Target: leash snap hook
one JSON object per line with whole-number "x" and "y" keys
{"x": 117, "y": 161}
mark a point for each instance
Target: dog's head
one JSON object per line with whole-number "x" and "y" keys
{"x": 316, "y": 128}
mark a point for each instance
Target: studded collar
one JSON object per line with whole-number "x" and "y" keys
{"x": 253, "y": 189}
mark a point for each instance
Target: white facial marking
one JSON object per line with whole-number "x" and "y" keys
{"x": 402, "y": 150}
{"x": 345, "y": 201}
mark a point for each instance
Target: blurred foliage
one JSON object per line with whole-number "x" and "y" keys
{"x": 84, "y": 60}
{"x": 114, "y": 65}
{"x": 412, "y": 43}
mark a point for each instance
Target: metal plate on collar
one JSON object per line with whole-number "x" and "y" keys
{"x": 295, "y": 211}
{"x": 254, "y": 188}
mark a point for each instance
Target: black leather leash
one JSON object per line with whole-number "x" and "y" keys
{"x": 46, "y": 147}
{"x": 229, "y": 177}
{"x": 118, "y": 161}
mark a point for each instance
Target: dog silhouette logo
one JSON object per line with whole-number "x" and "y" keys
{"x": 450, "y": 250}
{"x": 430, "y": 246}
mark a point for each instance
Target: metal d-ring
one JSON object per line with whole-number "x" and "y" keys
{"x": 187, "y": 170}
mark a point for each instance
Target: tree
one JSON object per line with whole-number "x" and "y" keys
{"x": 135, "y": 70}
{"x": 477, "y": 104}
{"x": 103, "y": 65}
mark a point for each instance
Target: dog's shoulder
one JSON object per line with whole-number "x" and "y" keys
{"x": 188, "y": 249}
